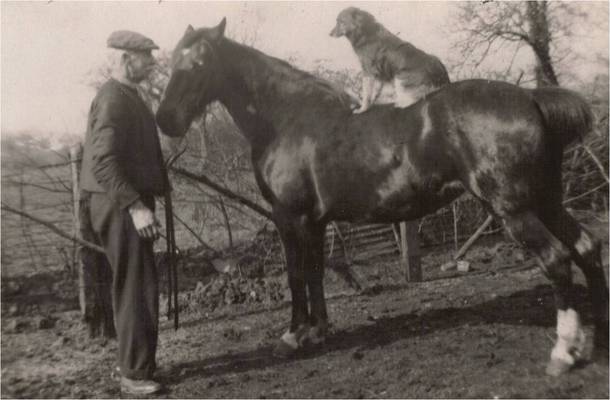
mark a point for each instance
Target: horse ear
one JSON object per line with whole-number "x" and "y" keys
{"x": 219, "y": 30}
{"x": 189, "y": 29}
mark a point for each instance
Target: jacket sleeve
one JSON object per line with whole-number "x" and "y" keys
{"x": 109, "y": 128}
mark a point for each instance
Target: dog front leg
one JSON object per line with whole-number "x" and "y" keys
{"x": 376, "y": 87}
{"x": 368, "y": 87}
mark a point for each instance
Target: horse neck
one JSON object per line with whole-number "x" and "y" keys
{"x": 255, "y": 92}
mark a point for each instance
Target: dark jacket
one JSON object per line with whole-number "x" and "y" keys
{"x": 122, "y": 155}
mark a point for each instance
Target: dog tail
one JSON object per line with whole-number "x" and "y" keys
{"x": 566, "y": 114}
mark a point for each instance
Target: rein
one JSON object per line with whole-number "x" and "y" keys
{"x": 170, "y": 238}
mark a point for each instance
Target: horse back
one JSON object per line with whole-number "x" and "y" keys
{"x": 389, "y": 163}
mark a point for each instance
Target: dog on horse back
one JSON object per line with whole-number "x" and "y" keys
{"x": 385, "y": 58}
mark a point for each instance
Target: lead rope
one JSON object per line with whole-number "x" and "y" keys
{"x": 172, "y": 267}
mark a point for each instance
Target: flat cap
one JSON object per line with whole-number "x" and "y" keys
{"x": 128, "y": 40}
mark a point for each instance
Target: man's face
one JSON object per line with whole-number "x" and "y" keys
{"x": 139, "y": 65}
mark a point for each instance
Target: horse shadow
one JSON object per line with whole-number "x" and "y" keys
{"x": 532, "y": 307}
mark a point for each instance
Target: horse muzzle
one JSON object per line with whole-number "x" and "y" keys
{"x": 171, "y": 122}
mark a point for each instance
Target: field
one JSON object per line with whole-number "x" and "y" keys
{"x": 484, "y": 334}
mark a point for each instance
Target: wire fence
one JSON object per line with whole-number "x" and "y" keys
{"x": 46, "y": 191}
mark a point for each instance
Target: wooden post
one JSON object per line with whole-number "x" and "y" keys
{"x": 94, "y": 274}
{"x": 75, "y": 156}
{"x": 410, "y": 253}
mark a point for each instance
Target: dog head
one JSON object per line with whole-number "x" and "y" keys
{"x": 352, "y": 23}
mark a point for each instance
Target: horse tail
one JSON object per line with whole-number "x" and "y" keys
{"x": 566, "y": 115}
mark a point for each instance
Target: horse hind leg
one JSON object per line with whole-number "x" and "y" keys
{"x": 555, "y": 260}
{"x": 586, "y": 250}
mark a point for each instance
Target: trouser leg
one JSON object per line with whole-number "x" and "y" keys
{"x": 135, "y": 294}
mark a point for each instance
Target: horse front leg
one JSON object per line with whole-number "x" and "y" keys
{"x": 293, "y": 240}
{"x": 315, "y": 284}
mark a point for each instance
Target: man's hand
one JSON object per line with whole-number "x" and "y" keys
{"x": 144, "y": 221}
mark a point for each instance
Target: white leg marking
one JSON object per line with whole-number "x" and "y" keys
{"x": 295, "y": 339}
{"x": 570, "y": 337}
{"x": 290, "y": 339}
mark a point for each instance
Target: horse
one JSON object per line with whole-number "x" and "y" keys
{"x": 315, "y": 162}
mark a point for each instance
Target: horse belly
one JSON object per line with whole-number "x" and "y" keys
{"x": 401, "y": 193}
{"x": 407, "y": 202}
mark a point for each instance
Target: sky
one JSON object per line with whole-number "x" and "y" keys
{"x": 49, "y": 49}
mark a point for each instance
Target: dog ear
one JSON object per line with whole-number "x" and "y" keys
{"x": 219, "y": 31}
{"x": 363, "y": 21}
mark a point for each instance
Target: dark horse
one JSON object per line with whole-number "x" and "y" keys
{"x": 315, "y": 162}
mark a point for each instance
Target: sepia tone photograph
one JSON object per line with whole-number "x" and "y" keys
{"x": 304, "y": 199}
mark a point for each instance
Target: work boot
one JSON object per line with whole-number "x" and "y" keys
{"x": 139, "y": 387}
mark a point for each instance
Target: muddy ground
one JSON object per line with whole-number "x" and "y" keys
{"x": 486, "y": 333}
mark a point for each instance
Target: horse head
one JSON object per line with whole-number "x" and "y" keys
{"x": 196, "y": 79}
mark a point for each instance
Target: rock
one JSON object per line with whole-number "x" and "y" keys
{"x": 463, "y": 266}
{"x": 448, "y": 265}
{"x": 357, "y": 355}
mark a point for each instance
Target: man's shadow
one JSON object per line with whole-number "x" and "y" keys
{"x": 532, "y": 307}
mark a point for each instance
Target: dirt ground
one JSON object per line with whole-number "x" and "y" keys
{"x": 486, "y": 333}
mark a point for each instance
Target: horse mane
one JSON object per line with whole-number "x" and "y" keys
{"x": 300, "y": 81}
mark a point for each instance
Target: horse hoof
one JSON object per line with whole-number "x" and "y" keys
{"x": 557, "y": 367}
{"x": 316, "y": 340}
{"x": 316, "y": 336}
{"x": 283, "y": 350}
{"x": 599, "y": 354}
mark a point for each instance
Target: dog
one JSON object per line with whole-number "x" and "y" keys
{"x": 385, "y": 58}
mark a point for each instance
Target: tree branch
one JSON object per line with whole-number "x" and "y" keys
{"x": 224, "y": 191}
{"x": 52, "y": 227}
{"x": 188, "y": 228}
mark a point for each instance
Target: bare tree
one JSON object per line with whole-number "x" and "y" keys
{"x": 504, "y": 29}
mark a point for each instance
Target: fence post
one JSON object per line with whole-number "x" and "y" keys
{"x": 75, "y": 156}
{"x": 410, "y": 253}
{"x": 94, "y": 274}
